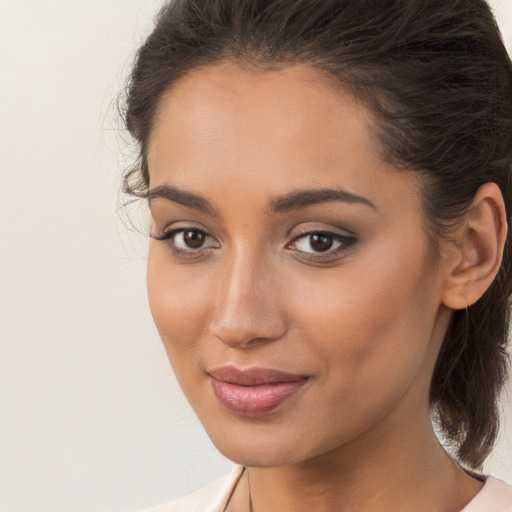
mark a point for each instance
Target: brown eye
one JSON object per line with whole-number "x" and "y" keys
{"x": 323, "y": 243}
{"x": 193, "y": 239}
{"x": 320, "y": 242}
{"x": 188, "y": 242}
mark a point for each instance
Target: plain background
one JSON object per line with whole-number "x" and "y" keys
{"x": 91, "y": 417}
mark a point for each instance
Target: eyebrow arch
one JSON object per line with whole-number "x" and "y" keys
{"x": 182, "y": 197}
{"x": 303, "y": 198}
{"x": 295, "y": 200}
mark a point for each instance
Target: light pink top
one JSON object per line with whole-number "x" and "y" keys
{"x": 495, "y": 496}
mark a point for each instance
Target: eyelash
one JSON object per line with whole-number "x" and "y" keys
{"x": 167, "y": 238}
{"x": 346, "y": 242}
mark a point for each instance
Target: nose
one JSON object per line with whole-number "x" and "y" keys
{"x": 248, "y": 308}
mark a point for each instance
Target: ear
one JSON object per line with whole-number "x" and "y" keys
{"x": 475, "y": 258}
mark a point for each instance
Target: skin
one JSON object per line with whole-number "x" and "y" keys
{"x": 365, "y": 323}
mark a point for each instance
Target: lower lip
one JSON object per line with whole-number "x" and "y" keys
{"x": 254, "y": 400}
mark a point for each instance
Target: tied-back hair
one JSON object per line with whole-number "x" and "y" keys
{"x": 438, "y": 80}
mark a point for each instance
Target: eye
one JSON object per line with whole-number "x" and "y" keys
{"x": 190, "y": 239}
{"x": 187, "y": 241}
{"x": 315, "y": 242}
{"x": 322, "y": 243}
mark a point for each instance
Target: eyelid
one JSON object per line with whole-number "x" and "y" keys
{"x": 176, "y": 226}
{"x": 167, "y": 236}
{"x": 333, "y": 234}
{"x": 170, "y": 233}
{"x": 347, "y": 242}
{"x": 344, "y": 241}
{"x": 312, "y": 229}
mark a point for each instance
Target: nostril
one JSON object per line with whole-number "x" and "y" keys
{"x": 233, "y": 335}
{"x": 260, "y": 327}
{"x": 247, "y": 307}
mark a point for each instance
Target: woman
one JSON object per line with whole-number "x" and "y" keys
{"x": 329, "y": 265}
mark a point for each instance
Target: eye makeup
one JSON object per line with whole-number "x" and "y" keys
{"x": 312, "y": 244}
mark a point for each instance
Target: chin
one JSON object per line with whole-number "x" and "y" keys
{"x": 256, "y": 445}
{"x": 251, "y": 457}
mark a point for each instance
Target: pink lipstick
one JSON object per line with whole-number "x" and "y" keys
{"x": 253, "y": 391}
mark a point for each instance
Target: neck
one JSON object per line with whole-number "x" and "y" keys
{"x": 417, "y": 475}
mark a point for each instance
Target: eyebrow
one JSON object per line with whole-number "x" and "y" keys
{"x": 308, "y": 197}
{"x": 295, "y": 200}
{"x": 182, "y": 197}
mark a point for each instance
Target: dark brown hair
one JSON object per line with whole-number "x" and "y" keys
{"x": 437, "y": 77}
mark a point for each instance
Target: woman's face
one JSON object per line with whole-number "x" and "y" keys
{"x": 293, "y": 285}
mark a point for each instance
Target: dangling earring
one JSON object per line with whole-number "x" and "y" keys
{"x": 466, "y": 325}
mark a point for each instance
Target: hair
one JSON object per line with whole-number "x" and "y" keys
{"x": 438, "y": 80}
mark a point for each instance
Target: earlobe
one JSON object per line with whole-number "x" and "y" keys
{"x": 475, "y": 258}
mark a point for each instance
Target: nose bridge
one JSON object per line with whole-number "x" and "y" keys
{"x": 247, "y": 305}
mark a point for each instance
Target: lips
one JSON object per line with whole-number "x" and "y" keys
{"x": 255, "y": 391}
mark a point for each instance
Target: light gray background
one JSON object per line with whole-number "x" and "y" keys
{"x": 91, "y": 417}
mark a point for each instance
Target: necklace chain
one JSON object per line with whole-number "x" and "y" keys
{"x": 249, "y": 488}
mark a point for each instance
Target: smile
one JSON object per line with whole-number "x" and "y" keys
{"x": 253, "y": 392}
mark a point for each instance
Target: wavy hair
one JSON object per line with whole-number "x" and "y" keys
{"x": 437, "y": 77}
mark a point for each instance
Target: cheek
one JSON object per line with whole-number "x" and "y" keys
{"x": 371, "y": 321}
{"x": 177, "y": 300}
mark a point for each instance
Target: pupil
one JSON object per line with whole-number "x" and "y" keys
{"x": 321, "y": 243}
{"x": 194, "y": 239}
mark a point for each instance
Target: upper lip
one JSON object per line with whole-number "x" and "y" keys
{"x": 253, "y": 376}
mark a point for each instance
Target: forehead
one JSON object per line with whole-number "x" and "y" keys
{"x": 275, "y": 130}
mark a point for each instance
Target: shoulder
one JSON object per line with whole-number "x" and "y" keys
{"x": 495, "y": 496}
{"x": 212, "y": 498}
